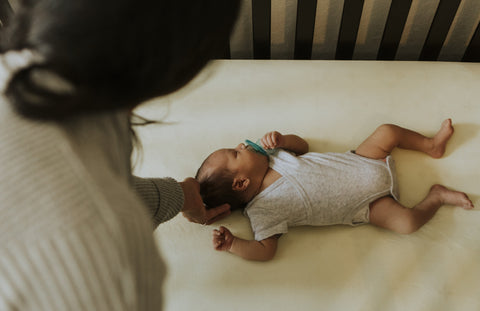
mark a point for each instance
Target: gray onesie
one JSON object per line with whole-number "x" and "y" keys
{"x": 320, "y": 189}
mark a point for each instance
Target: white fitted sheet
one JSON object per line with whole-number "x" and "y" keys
{"x": 334, "y": 105}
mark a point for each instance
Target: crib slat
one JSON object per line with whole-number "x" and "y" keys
{"x": 442, "y": 21}
{"x": 226, "y": 53}
{"x": 352, "y": 12}
{"x": 472, "y": 54}
{"x": 306, "y": 10}
{"x": 5, "y": 12}
{"x": 397, "y": 16}
{"x": 261, "y": 19}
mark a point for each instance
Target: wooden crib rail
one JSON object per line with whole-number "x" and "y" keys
{"x": 5, "y": 12}
{"x": 256, "y": 39}
{"x": 448, "y": 13}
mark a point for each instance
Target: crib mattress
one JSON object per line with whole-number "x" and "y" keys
{"x": 334, "y": 105}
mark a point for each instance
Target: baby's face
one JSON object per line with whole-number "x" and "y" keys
{"x": 241, "y": 160}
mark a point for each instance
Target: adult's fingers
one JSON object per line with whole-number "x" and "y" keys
{"x": 217, "y": 213}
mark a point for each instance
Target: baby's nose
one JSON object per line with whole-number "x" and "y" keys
{"x": 240, "y": 146}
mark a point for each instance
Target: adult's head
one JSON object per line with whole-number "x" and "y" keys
{"x": 109, "y": 54}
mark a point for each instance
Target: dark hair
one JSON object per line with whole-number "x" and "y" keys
{"x": 116, "y": 53}
{"x": 216, "y": 188}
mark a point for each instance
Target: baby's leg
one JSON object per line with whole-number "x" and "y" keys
{"x": 388, "y": 136}
{"x": 389, "y": 214}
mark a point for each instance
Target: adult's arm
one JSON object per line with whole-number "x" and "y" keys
{"x": 163, "y": 197}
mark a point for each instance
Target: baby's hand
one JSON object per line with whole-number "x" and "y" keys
{"x": 222, "y": 239}
{"x": 272, "y": 140}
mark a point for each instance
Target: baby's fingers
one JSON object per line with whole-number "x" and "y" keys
{"x": 217, "y": 235}
{"x": 264, "y": 142}
{"x": 218, "y": 240}
{"x": 217, "y": 245}
{"x": 271, "y": 142}
{"x": 220, "y": 232}
{"x": 276, "y": 139}
{"x": 268, "y": 141}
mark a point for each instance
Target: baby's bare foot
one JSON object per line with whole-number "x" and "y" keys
{"x": 450, "y": 197}
{"x": 439, "y": 141}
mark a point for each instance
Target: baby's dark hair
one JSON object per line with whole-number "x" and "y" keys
{"x": 216, "y": 188}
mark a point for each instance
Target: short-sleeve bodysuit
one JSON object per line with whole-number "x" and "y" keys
{"x": 320, "y": 189}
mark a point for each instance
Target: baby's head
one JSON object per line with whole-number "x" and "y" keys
{"x": 231, "y": 176}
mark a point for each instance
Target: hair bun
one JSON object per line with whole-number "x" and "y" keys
{"x": 46, "y": 79}
{"x": 14, "y": 61}
{"x": 38, "y": 92}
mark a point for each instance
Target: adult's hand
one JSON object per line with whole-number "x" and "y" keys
{"x": 194, "y": 209}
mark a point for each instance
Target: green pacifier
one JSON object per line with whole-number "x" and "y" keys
{"x": 257, "y": 148}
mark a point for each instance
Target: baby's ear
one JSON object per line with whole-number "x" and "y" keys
{"x": 240, "y": 184}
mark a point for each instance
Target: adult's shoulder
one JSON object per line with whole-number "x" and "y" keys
{"x": 46, "y": 184}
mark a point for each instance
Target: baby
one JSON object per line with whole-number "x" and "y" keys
{"x": 291, "y": 186}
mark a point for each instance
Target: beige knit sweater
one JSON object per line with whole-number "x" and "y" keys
{"x": 74, "y": 234}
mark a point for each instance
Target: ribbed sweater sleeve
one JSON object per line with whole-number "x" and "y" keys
{"x": 162, "y": 196}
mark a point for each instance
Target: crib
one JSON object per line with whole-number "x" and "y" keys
{"x": 331, "y": 72}
{"x": 445, "y": 30}
{"x": 425, "y": 30}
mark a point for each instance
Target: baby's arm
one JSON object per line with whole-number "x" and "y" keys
{"x": 289, "y": 142}
{"x": 224, "y": 240}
